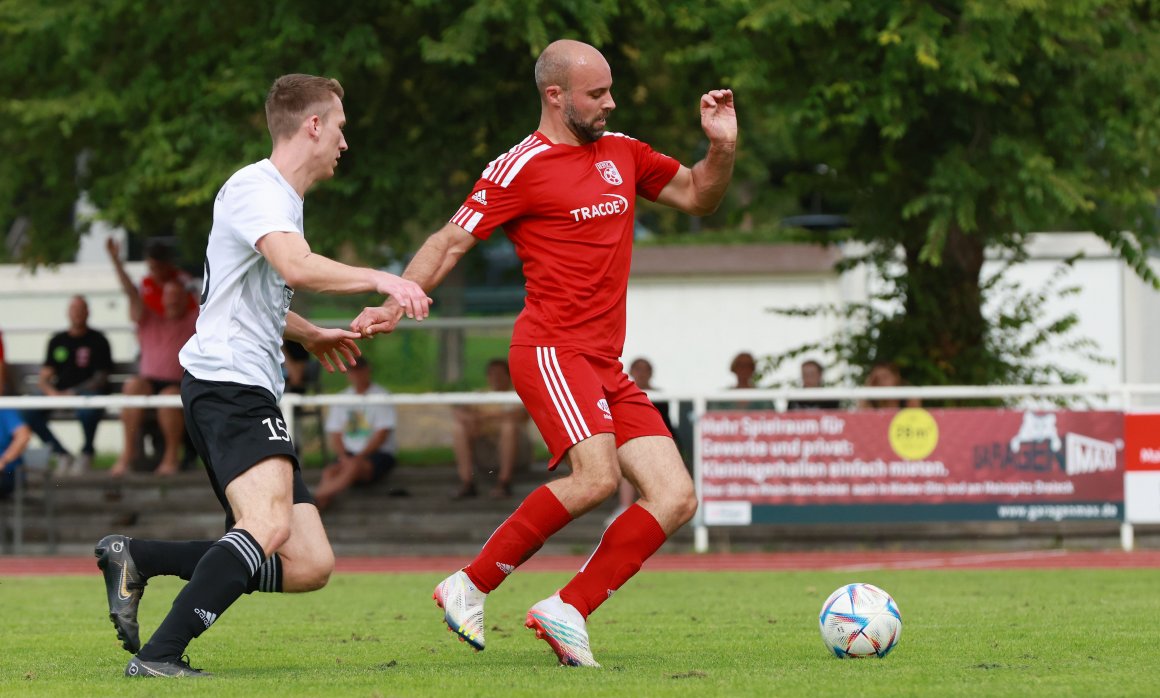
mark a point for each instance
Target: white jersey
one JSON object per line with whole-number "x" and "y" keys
{"x": 244, "y": 300}
{"x": 357, "y": 423}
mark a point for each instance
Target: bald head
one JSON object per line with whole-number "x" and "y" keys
{"x": 575, "y": 85}
{"x": 555, "y": 65}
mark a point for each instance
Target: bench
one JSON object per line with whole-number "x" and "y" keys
{"x": 23, "y": 379}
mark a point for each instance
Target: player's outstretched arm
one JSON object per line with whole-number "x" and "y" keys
{"x": 698, "y": 190}
{"x": 430, "y": 265}
{"x": 302, "y": 269}
{"x": 335, "y": 348}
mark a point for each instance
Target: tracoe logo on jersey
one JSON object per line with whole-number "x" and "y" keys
{"x": 615, "y": 207}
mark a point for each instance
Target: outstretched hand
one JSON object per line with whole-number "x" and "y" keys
{"x": 409, "y": 295}
{"x": 335, "y": 348}
{"x": 718, "y": 117}
{"x": 380, "y": 319}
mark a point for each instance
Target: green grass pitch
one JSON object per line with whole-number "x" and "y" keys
{"x": 965, "y": 633}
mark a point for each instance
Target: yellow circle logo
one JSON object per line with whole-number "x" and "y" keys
{"x": 913, "y": 433}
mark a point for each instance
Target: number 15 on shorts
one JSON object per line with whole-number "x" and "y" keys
{"x": 277, "y": 429}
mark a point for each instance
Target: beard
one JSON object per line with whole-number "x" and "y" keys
{"x": 585, "y": 131}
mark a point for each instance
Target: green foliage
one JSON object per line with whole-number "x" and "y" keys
{"x": 939, "y": 129}
{"x": 149, "y": 106}
{"x": 1021, "y": 337}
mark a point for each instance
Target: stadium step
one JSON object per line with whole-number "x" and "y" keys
{"x": 363, "y": 521}
{"x": 370, "y": 521}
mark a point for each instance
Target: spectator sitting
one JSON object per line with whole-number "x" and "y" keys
{"x": 77, "y": 362}
{"x": 14, "y": 438}
{"x": 3, "y": 368}
{"x": 481, "y": 430}
{"x": 295, "y": 367}
{"x": 160, "y": 336}
{"x": 744, "y": 367}
{"x": 886, "y": 374}
{"x": 362, "y": 435}
{"x": 812, "y": 378}
{"x": 162, "y": 270}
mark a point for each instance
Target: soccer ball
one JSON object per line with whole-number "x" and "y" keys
{"x": 860, "y": 620}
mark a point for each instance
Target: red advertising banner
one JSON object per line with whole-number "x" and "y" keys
{"x": 914, "y": 456}
{"x": 1142, "y": 436}
{"x": 1142, "y": 462}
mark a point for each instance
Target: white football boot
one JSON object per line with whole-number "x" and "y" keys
{"x": 561, "y": 626}
{"x": 462, "y": 605}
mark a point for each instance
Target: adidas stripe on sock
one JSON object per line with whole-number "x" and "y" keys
{"x": 222, "y": 575}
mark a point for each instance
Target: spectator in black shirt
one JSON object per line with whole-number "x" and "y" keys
{"x": 78, "y": 362}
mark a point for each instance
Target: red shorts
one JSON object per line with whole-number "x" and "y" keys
{"x": 571, "y": 396}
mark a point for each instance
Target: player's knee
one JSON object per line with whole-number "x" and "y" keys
{"x": 686, "y": 506}
{"x": 603, "y": 486}
{"x": 681, "y": 502}
{"x": 318, "y": 570}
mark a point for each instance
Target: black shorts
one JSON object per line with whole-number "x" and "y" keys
{"x": 234, "y": 427}
{"x": 157, "y": 385}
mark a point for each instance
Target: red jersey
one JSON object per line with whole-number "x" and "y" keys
{"x": 568, "y": 209}
{"x": 151, "y": 292}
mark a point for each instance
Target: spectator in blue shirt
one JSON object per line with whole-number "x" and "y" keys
{"x": 14, "y": 438}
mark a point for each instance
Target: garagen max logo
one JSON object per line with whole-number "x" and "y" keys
{"x": 1036, "y": 448}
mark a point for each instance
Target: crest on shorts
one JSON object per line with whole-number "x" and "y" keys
{"x": 603, "y": 405}
{"x": 608, "y": 171}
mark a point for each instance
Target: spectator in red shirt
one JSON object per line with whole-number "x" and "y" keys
{"x": 162, "y": 270}
{"x": 160, "y": 336}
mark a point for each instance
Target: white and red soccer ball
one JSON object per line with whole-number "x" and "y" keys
{"x": 860, "y": 620}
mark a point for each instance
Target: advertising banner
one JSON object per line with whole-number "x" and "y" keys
{"x": 911, "y": 465}
{"x": 1142, "y": 462}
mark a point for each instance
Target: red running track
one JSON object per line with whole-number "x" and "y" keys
{"x": 855, "y": 561}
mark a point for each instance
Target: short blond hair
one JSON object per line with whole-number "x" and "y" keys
{"x": 294, "y": 97}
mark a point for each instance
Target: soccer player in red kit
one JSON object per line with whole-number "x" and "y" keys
{"x": 565, "y": 197}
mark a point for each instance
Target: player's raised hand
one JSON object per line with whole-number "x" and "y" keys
{"x": 380, "y": 319}
{"x": 335, "y": 348}
{"x": 718, "y": 117}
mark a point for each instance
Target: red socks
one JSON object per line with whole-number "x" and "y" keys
{"x": 631, "y": 539}
{"x": 517, "y": 538}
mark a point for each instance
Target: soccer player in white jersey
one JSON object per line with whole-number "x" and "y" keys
{"x": 256, "y": 257}
{"x": 565, "y": 198}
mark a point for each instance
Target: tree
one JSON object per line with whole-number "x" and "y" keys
{"x": 149, "y": 106}
{"x": 953, "y": 127}
{"x": 942, "y": 129}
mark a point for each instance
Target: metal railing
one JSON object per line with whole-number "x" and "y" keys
{"x": 1118, "y": 396}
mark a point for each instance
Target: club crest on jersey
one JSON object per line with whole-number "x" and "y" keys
{"x": 608, "y": 171}
{"x": 287, "y": 296}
